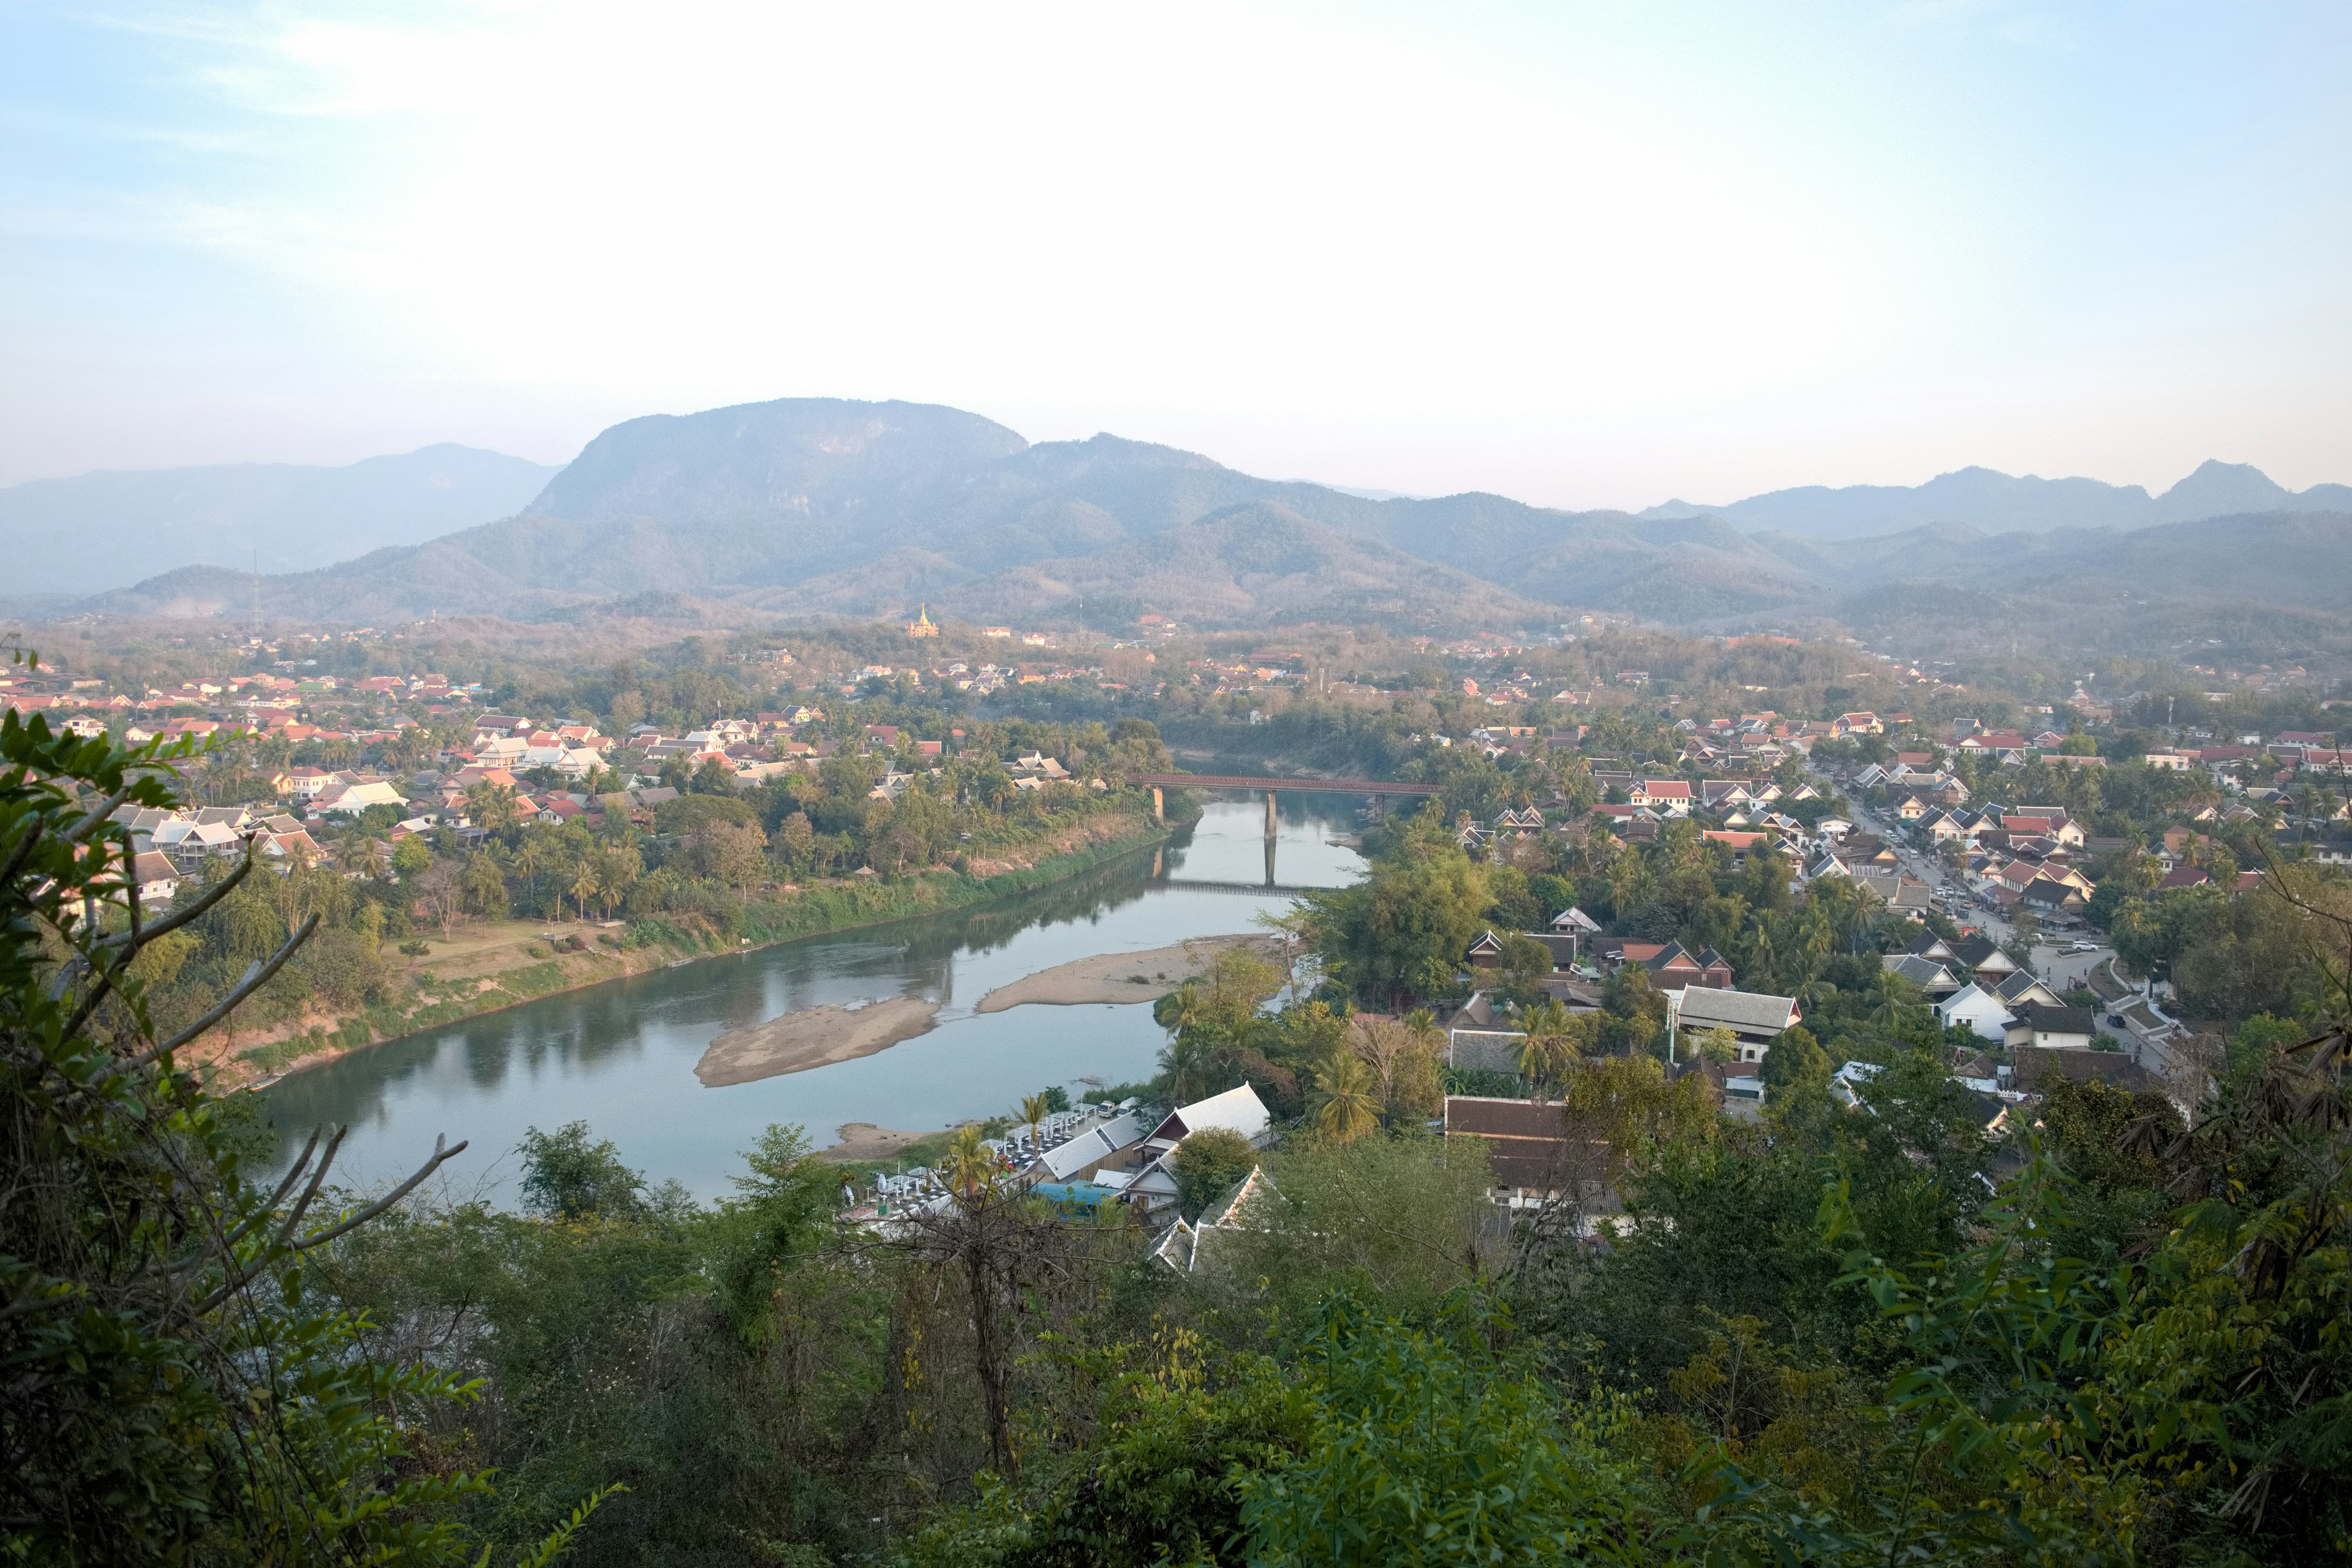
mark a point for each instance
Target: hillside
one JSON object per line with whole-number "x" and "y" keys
{"x": 84, "y": 535}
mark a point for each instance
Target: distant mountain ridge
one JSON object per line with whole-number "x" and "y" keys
{"x": 2004, "y": 503}
{"x": 820, "y": 506}
{"x": 89, "y": 533}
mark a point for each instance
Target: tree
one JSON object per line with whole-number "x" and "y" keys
{"x": 1795, "y": 1064}
{"x": 1716, "y": 1042}
{"x": 734, "y": 851}
{"x": 1206, "y": 1165}
{"x": 585, "y": 885}
{"x": 1034, "y": 1108}
{"x": 1554, "y": 1043}
{"x": 1405, "y": 927}
{"x": 412, "y": 856}
{"x": 485, "y": 887}
{"x": 568, "y": 1174}
{"x": 797, "y": 838}
{"x": 441, "y": 893}
{"x": 492, "y": 807}
{"x": 1347, "y": 1105}
{"x": 174, "y": 1392}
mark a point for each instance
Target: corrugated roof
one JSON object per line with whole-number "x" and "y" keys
{"x": 1749, "y": 1009}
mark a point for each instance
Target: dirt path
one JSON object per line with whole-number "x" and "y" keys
{"x": 1118, "y": 977}
{"x": 812, "y": 1038}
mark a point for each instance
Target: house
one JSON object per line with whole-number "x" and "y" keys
{"x": 2052, "y": 897}
{"x": 1984, "y": 959}
{"x": 1528, "y": 1146}
{"x": 157, "y": 880}
{"x": 1674, "y": 966}
{"x": 2052, "y": 1029}
{"x": 1575, "y": 922}
{"x": 1903, "y": 894}
{"x": 1148, "y": 1181}
{"x": 1754, "y": 1019}
{"x": 1669, "y": 962}
{"x": 1931, "y": 977}
{"x": 1188, "y": 1247}
{"x": 1079, "y": 1158}
{"x": 355, "y": 798}
{"x": 1979, "y": 1073}
{"x": 1672, "y": 798}
{"x": 1976, "y": 1008}
{"x": 2021, "y": 987}
{"x": 2035, "y": 1068}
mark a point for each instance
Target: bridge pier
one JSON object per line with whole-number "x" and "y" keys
{"x": 1271, "y": 823}
{"x": 1158, "y": 806}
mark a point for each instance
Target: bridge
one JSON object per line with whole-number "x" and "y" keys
{"x": 1191, "y": 885}
{"x": 1271, "y": 786}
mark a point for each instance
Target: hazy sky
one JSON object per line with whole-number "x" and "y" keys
{"x": 1585, "y": 253}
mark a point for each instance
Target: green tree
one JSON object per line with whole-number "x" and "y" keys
{"x": 1347, "y": 1105}
{"x": 177, "y": 1392}
{"x": 570, "y": 1175}
{"x": 1207, "y": 1165}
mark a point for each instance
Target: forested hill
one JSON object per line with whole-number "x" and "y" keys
{"x": 826, "y": 506}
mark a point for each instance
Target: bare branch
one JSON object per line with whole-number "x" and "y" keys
{"x": 172, "y": 922}
{"x": 255, "y": 979}
{"x": 302, "y": 1164}
{"x": 440, "y": 1156}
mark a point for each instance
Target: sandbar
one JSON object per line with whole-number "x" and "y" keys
{"x": 1121, "y": 978}
{"x": 812, "y": 1037}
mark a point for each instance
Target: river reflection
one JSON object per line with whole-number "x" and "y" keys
{"x": 621, "y": 1055}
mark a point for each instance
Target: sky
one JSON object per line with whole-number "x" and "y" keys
{"x": 1587, "y": 254}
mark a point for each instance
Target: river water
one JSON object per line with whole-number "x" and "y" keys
{"x": 621, "y": 1055}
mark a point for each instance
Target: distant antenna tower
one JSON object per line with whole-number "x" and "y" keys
{"x": 256, "y": 594}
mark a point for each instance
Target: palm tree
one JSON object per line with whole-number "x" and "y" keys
{"x": 970, "y": 1169}
{"x": 1034, "y": 1108}
{"x": 1185, "y": 1060}
{"x": 530, "y": 863}
{"x": 1347, "y": 1107}
{"x": 1550, "y": 1048}
{"x": 585, "y": 886}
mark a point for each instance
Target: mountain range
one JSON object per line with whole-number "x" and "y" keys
{"x": 87, "y": 534}
{"x": 824, "y": 506}
{"x": 2007, "y": 503}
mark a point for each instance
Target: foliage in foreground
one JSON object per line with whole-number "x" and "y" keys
{"x": 178, "y": 1389}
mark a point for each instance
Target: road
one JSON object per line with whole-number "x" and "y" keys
{"x": 1927, "y": 868}
{"x": 2061, "y": 971}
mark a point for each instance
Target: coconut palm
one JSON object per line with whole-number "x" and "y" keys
{"x": 969, "y": 1168}
{"x": 1034, "y": 1108}
{"x": 1550, "y": 1048}
{"x": 1186, "y": 1059}
{"x": 585, "y": 885}
{"x": 1347, "y": 1106}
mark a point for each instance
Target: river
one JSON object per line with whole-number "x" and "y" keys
{"x": 621, "y": 1055}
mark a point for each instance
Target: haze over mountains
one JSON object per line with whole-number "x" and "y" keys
{"x": 863, "y": 509}
{"x": 100, "y": 530}
{"x": 2002, "y": 504}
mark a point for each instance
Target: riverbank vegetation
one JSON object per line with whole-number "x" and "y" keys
{"x": 432, "y": 936}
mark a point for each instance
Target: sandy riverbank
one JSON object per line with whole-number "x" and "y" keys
{"x": 1121, "y": 978}
{"x": 855, "y": 1141}
{"x": 812, "y": 1038}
